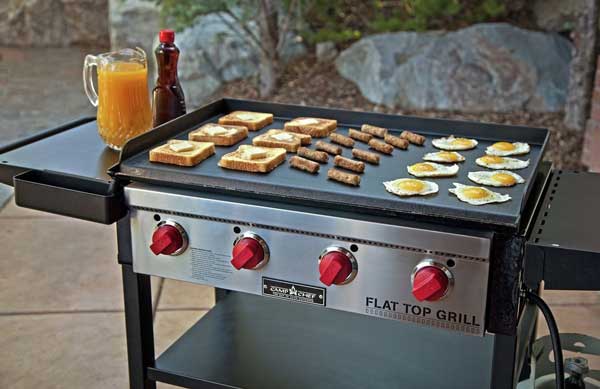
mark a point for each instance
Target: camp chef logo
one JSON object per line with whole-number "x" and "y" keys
{"x": 293, "y": 291}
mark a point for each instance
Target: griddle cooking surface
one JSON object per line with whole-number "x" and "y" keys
{"x": 290, "y": 184}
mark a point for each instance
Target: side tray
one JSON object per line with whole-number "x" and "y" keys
{"x": 563, "y": 248}
{"x": 63, "y": 170}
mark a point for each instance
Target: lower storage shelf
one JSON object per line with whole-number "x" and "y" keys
{"x": 255, "y": 342}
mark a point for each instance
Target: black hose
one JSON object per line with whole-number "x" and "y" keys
{"x": 559, "y": 368}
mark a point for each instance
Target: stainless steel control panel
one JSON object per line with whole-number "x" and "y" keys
{"x": 383, "y": 259}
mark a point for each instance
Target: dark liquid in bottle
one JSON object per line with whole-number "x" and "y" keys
{"x": 168, "y": 98}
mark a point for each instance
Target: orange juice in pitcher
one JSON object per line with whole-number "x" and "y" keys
{"x": 123, "y": 99}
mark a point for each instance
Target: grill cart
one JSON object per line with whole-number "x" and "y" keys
{"x": 275, "y": 325}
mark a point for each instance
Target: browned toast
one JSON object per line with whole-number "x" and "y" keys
{"x": 182, "y": 152}
{"x": 253, "y": 159}
{"x": 278, "y": 138}
{"x": 219, "y": 134}
{"x": 253, "y": 121}
{"x": 315, "y": 127}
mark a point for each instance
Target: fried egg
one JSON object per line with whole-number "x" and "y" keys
{"x": 496, "y": 162}
{"x": 444, "y": 156}
{"x": 452, "y": 143}
{"x": 507, "y": 148}
{"x": 496, "y": 178}
{"x": 477, "y": 195}
{"x": 410, "y": 187}
{"x": 430, "y": 169}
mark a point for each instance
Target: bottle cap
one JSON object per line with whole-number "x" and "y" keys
{"x": 166, "y": 36}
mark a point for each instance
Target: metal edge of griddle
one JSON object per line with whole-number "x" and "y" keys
{"x": 424, "y": 217}
{"x": 184, "y": 123}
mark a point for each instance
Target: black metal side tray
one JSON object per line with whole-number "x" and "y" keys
{"x": 563, "y": 249}
{"x": 63, "y": 171}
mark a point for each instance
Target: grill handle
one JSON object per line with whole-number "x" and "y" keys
{"x": 68, "y": 195}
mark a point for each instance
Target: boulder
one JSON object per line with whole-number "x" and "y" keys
{"x": 325, "y": 51}
{"x": 212, "y": 53}
{"x": 556, "y": 15}
{"x": 134, "y": 23}
{"x": 485, "y": 67}
{"x": 54, "y": 23}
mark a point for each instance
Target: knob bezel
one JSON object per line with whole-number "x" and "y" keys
{"x": 348, "y": 255}
{"x": 261, "y": 242}
{"x": 184, "y": 236}
{"x": 432, "y": 263}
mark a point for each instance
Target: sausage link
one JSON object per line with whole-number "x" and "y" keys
{"x": 413, "y": 138}
{"x": 313, "y": 155}
{"x": 381, "y": 146}
{"x": 345, "y": 178}
{"x": 396, "y": 141}
{"x": 350, "y": 164}
{"x": 341, "y": 139}
{"x": 328, "y": 147}
{"x": 359, "y": 135}
{"x": 304, "y": 164}
{"x": 374, "y": 130}
{"x": 366, "y": 156}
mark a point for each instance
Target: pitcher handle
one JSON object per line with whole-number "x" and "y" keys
{"x": 88, "y": 83}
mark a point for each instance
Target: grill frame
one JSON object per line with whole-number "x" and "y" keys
{"x": 134, "y": 166}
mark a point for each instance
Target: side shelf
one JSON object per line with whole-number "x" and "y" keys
{"x": 564, "y": 247}
{"x": 63, "y": 170}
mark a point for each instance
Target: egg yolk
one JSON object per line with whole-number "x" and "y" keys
{"x": 504, "y": 146}
{"x": 423, "y": 167}
{"x": 447, "y": 156}
{"x": 411, "y": 185}
{"x": 492, "y": 159}
{"x": 474, "y": 192}
{"x": 461, "y": 142}
{"x": 504, "y": 179}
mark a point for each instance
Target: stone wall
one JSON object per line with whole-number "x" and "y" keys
{"x": 54, "y": 23}
{"x": 591, "y": 145}
{"x": 134, "y": 23}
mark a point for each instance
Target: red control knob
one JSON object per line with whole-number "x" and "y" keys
{"x": 335, "y": 267}
{"x": 247, "y": 254}
{"x": 430, "y": 283}
{"x": 167, "y": 239}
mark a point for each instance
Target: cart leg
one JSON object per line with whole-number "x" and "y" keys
{"x": 138, "y": 322}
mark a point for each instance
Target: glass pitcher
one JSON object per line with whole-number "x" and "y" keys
{"x": 123, "y": 99}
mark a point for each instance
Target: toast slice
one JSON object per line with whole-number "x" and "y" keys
{"x": 182, "y": 152}
{"x": 305, "y": 139}
{"x": 253, "y": 121}
{"x": 219, "y": 134}
{"x": 278, "y": 138}
{"x": 253, "y": 159}
{"x": 318, "y": 128}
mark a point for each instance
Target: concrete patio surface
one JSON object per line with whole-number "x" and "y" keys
{"x": 61, "y": 304}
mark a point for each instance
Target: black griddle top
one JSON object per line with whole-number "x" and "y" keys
{"x": 291, "y": 185}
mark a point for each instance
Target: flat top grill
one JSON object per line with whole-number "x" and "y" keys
{"x": 291, "y": 185}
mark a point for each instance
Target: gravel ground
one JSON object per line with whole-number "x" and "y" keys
{"x": 312, "y": 83}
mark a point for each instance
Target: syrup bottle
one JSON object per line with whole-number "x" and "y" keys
{"x": 168, "y": 98}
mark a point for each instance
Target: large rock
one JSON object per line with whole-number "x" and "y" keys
{"x": 556, "y": 15}
{"x": 134, "y": 23}
{"x": 54, "y": 23}
{"x": 212, "y": 54}
{"x": 486, "y": 67}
